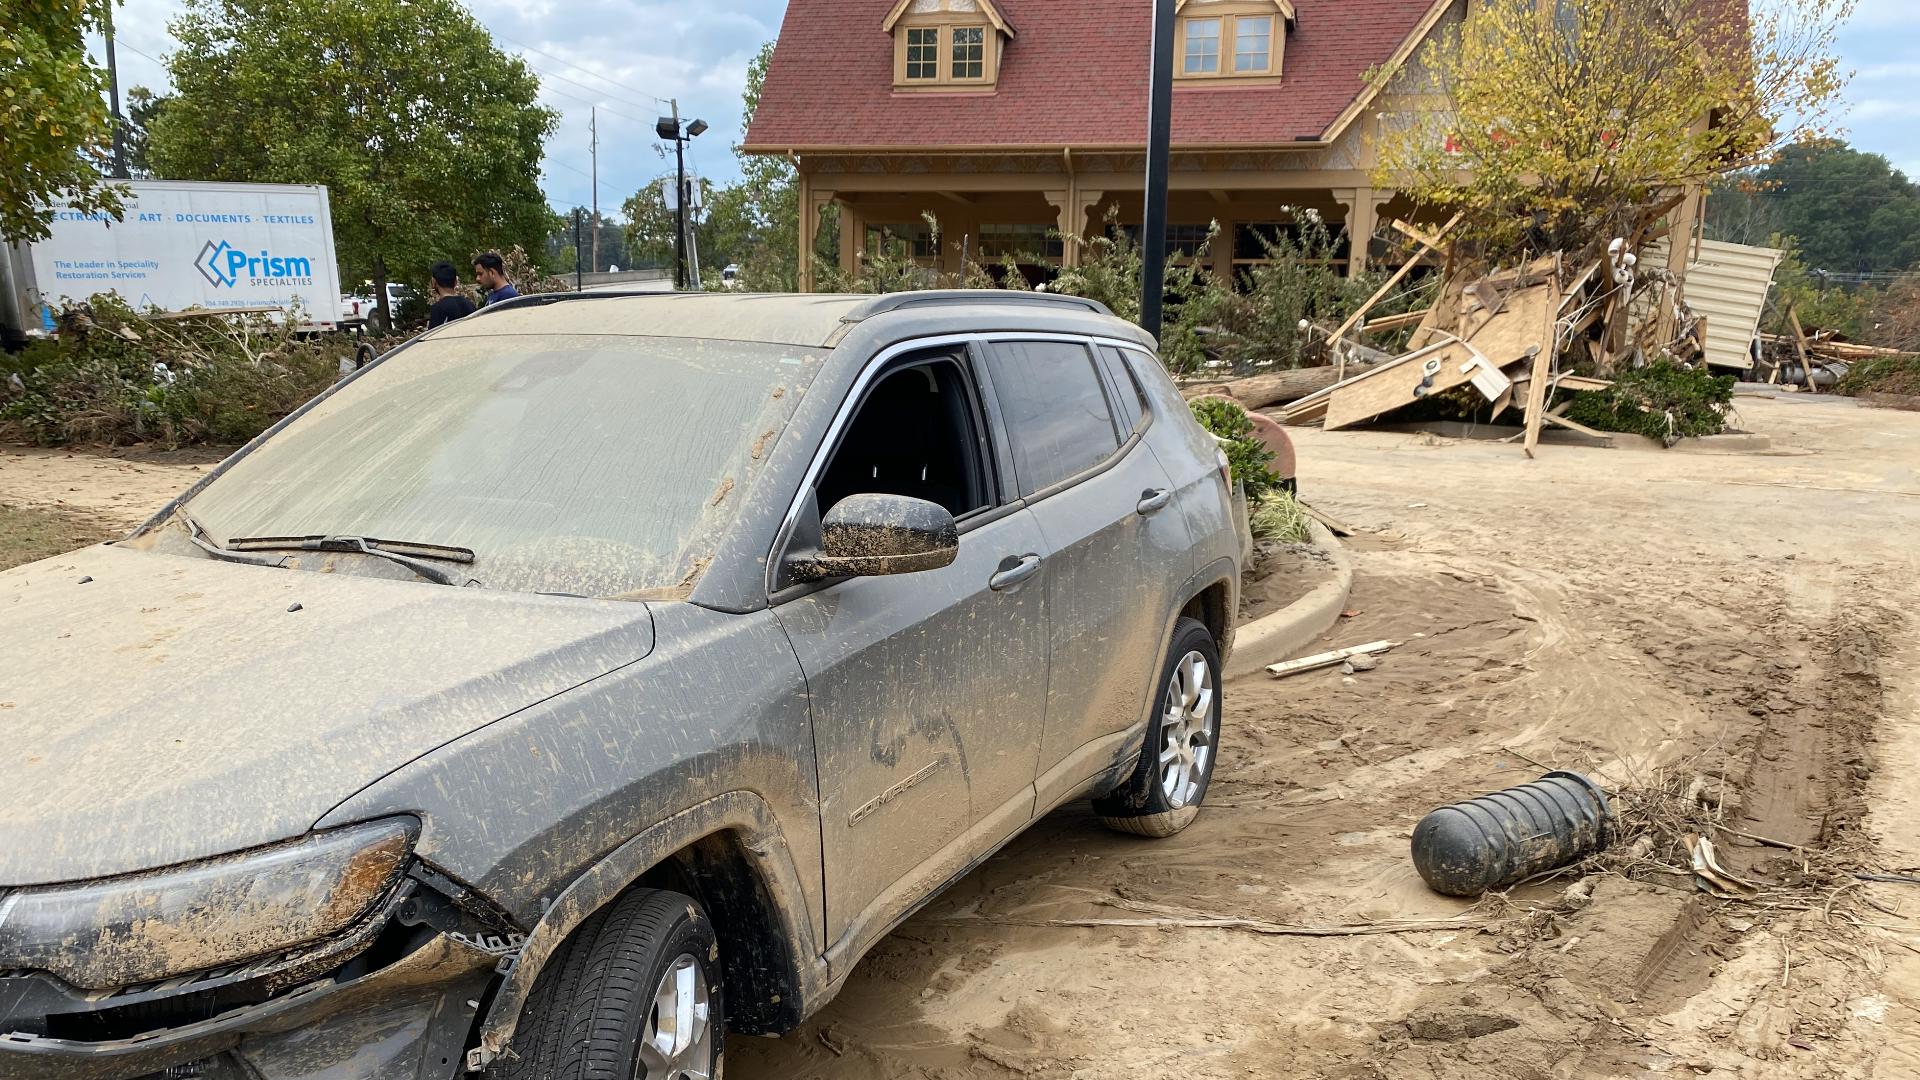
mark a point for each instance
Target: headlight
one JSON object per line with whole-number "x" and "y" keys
{"x": 111, "y": 933}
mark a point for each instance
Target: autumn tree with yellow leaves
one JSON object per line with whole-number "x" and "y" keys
{"x": 54, "y": 126}
{"x": 1555, "y": 124}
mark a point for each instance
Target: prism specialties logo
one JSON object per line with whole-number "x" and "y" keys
{"x": 226, "y": 267}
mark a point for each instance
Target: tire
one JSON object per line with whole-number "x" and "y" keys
{"x": 1163, "y": 793}
{"x": 605, "y": 1007}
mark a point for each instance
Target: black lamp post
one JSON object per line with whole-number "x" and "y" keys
{"x": 1153, "y": 227}
{"x": 669, "y": 127}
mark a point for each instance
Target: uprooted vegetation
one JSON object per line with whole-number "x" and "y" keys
{"x": 1662, "y": 401}
{"x": 117, "y": 377}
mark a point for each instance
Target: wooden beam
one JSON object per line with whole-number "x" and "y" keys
{"x": 1392, "y": 322}
{"x": 1556, "y": 418}
{"x": 1537, "y": 397}
{"x": 1800, "y": 345}
{"x": 1398, "y": 275}
{"x": 1328, "y": 659}
{"x": 1420, "y": 235}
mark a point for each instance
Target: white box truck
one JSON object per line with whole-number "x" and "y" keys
{"x": 182, "y": 245}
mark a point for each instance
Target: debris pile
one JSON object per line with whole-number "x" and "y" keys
{"x": 1520, "y": 338}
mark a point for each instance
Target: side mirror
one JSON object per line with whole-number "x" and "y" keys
{"x": 877, "y": 535}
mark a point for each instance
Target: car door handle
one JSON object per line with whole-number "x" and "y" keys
{"x": 1154, "y": 499}
{"x": 1009, "y": 576}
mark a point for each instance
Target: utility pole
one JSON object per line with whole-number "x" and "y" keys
{"x": 680, "y": 201}
{"x": 1153, "y": 229}
{"x": 593, "y": 130}
{"x": 113, "y": 90}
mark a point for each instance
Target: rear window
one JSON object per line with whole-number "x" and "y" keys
{"x": 1055, "y": 409}
{"x": 595, "y": 465}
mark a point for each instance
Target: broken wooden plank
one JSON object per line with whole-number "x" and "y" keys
{"x": 1334, "y": 525}
{"x": 1561, "y": 421}
{"x": 1398, "y": 276}
{"x": 1800, "y": 346}
{"x": 1328, "y": 659}
{"x": 1414, "y": 232}
{"x": 1432, "y": 371}
{"x": 1393, "y": 322}
{"x": 1537, "y": 398}
{"x": 1501, "y": 403}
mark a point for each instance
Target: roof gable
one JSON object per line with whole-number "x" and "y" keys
{"x": 830, "y": 83}
{"x": 986, "y": 8}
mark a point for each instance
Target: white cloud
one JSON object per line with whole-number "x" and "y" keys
{"x": 1877, "y": 108}
{"x": 623, "y": 56}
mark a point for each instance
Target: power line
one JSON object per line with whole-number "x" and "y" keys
{"x": 600, "y": 101}
{"x": 589, "y": 71}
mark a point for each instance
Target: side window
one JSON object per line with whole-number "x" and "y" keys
{"x": 1056, "y": 412}
{"x": 917, "y": 433}
{"x": 1131, "y": 400}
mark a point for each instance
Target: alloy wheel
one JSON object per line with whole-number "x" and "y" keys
{"x": 1187, "y": 731}
{"x": 677, "y": 1042}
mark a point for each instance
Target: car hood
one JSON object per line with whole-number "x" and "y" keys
{"x": 160, "y": 708}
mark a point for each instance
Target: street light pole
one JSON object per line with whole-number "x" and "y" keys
{"x": 679, "y": 200}
{"x": 1153, "y": 227}
{"x": 669, "y": 127}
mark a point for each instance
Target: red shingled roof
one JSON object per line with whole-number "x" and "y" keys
{"x": 1075, "y": 75}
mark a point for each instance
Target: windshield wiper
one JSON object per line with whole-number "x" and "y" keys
{"x": 199, "y": 537}
{"x": 395, "y": 551}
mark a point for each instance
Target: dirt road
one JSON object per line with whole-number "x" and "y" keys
{"x": 1649, "y": 618}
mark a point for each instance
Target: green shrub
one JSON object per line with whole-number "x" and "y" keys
{"x": 1883, "y": 375}
{"x": 1247, "y": 457}
{"x": 112, "y": 377}
{"x": 1661, "y": 401}
{"x": 1279, "y": 516}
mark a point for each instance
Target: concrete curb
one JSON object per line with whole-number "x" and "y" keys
{"x": 1277, "y": 636}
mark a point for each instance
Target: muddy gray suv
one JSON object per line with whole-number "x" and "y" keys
{"x": 596, "y": 678}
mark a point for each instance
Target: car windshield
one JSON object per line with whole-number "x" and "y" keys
{"x": 595, "y": 465}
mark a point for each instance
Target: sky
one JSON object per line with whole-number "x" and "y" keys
{"x": 627, "y": 57}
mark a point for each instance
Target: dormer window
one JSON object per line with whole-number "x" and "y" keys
{"x": 1228, "y": 39}
{"x": 946, "y": 44}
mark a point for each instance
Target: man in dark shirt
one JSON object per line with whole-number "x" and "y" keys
{"x": 490, "y": 270}
{"x": 448, "y": 302}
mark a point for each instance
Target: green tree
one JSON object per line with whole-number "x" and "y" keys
{"x": 143, "y": 105}
{"x": 427, "y": 136}
{"x": 768, "y": 202}
{"x": 1566, "y": 123}
{"x": 1847, "y": 211}
{"x": 54, "y": 124}
{"x": 650, "y": 225}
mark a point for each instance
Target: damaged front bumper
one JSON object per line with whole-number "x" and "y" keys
{"x": 395, "y": 998}
{"x": 407, "y": 1021}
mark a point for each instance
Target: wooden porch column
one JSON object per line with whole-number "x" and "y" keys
{"x": 853, "y": 239}
{"x": 1363, "y": 216}
{"x": 813, "y": 204}
{"x": 1073, "y": 205}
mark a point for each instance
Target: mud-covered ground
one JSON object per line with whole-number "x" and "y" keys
{"x": 1746, "y": 621}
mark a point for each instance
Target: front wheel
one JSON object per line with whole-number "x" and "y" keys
{"x": 1163, "y": 794}
{"x": 635, "y": 993}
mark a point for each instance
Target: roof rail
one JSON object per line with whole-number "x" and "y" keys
{"x": 526, "y": 300}
{"x": 880, "y": 305}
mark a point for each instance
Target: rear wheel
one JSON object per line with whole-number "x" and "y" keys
{"x": 1164, "y": 792}
{"x": 635, "y": 993}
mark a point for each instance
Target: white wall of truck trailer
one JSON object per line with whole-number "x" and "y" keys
{"x": 183, "y": 245}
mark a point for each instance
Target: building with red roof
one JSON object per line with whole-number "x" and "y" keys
{"x": 1016, "y": 122}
